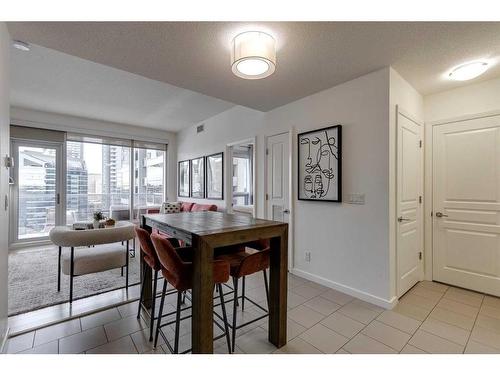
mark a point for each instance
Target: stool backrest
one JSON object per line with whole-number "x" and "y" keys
{"x": 146, "y": 243}
{"x": 177, "y": 272}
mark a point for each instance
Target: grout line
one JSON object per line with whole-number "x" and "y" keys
{"x": 133, "y": 343}
{"x": 474, "y": 325}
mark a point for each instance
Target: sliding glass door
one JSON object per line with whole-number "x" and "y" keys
{"x": 149, "y": 179}
{"x": 97, "y": 179}
{"x": 35, "y": 188}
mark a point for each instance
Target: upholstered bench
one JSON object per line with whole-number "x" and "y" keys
{"x": 88, "y": 259}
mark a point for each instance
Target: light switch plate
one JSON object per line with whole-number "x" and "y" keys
{"x": 356, "y": 198}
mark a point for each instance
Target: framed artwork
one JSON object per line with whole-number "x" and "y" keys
{"x": 215, "y": 176}
{"x": 183, "y": 178}
{"x": 198, "y": 177}
{"x": 319, "y": 164}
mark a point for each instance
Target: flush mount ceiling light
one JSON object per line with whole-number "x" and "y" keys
{"x": 468, "y": 70}
{"x": 253, "y": 55}
{"x": 22, "y": 46}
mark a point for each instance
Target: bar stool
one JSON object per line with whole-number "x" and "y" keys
{"x": 251, "y": 258}
{"x": 179, "y": 274}
{"x": 150, "y": 260}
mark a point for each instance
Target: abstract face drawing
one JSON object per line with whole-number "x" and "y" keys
{"x": 321, "y": 153}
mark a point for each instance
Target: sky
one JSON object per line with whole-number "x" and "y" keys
{"x": 92, "y": 154}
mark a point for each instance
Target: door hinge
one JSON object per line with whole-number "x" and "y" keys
{"x": 267, "y": 151}
{"x": 267, "y": 197}
{"x": 432, "y": 213}
{"x": 420, "y": 143}
{"x": 420, "y": 199}
{"x": 420, "y": 255}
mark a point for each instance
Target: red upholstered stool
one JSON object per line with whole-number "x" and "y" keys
{"x": 179, "y": 274}
{"x": 150, "y": 260}
{"x": 251, "y": 258}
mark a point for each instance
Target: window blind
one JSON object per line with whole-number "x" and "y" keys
{"x": 24, "y": 132}
{"x": 75, "y": 137}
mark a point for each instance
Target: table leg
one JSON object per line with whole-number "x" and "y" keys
{"x": 146, "y": 273}
{"x": 202, "y": 300}
{"x": 278, "y": 289}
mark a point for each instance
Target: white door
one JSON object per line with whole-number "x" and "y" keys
{"x": 466, "y": 204}
{"x": 278, "y": 184}
{"x": 278, "y": 170}
{"x": 409, "y": 204}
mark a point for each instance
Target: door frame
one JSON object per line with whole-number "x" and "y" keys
{"x": 60, "y": 214}
{"x": 412, "y": 118}
{"x": 291, "y": 188}
{"x": 228, "y": 160}
{"x": 429, "y": 182}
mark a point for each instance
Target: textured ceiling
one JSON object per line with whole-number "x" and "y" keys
{"x": 51, "y": 81}
{"x": 311, "y": 56}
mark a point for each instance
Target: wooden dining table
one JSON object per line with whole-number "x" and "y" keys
{"x": 206, "y": 231}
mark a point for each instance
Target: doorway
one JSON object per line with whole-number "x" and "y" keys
{"x": 466, "y": 203}
{"x": 241, "y": 177}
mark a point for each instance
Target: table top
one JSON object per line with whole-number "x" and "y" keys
{"x": 210, "y": 222}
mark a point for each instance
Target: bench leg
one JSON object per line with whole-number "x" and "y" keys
{"x": 126, "y": 266}
{"x": 71, "y": 275}
{"x": 59, "y": 271}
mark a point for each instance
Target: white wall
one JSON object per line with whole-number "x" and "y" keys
{"x": 238, "y": 123}
{"x": 55, "y": 121}
{"x": 403, "y": 96}
{"x": 4, "y": 181}
{"x": 468, "y": 100}
{"x": 349, "y": 244}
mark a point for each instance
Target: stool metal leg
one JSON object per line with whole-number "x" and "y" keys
{"x": 160, "y": 313}
{"x": 267, "y": 287}
{"x": 243, "y": 294}
{"x": 235, "y": 300}
{"x": 153, "y": 303}
{"x": 224, "y": 316}
{"x": 177, "y": 322}
{"x": 141, "y": 296}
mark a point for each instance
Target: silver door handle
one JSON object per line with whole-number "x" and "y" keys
{"x": 287, "y": 211}
{"x": 401, "y": 219}
{"x": 440, "y": 214}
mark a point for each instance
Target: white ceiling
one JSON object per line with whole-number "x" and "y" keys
{"x": 48, "y": 80}
{"x": 311, "y": 56}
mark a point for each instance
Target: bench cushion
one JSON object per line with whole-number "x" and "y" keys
{"x": 65, "y": 236}
{"x": 94, "y": 259}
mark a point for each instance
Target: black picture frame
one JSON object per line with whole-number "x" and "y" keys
{"x": 179, "y": 191}
{"x": 196, "y": 194}
{"x": 207, "y": 192}
{"x": 323, "y": 138}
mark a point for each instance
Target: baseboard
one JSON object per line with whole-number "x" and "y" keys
{"x": 4, "y": 333}
{"x": 386, "y": 304}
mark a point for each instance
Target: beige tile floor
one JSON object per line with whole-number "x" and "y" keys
{"x": 430, "y": 318}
